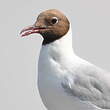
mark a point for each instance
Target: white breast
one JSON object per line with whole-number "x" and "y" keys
{"x": 55, "y": 60}
{"x": 49, "y": 83}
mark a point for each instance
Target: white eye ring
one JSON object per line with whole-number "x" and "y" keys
{"x": 54, "y": 20}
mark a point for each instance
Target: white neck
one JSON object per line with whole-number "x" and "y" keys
{"x": 62, "y": 46}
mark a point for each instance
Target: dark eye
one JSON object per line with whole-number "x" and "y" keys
{"x": 54, "y": 20}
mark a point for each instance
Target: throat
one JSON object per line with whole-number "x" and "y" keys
{"x": 61, "y": 47}
{"x": 50, "y": 38}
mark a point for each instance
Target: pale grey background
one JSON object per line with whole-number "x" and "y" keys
{"x": 91, "y": 35}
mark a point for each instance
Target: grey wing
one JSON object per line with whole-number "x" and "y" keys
{"x": 89, "y": 85}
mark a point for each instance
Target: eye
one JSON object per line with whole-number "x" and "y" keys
{"x": 54, "y": 20}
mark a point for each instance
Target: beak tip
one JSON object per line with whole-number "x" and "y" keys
{"x": 30, "y": 30}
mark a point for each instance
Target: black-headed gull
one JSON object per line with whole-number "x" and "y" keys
{"x": 65, "y": 81}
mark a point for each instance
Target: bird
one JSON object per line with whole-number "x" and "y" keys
{"x": 66, "y": 81}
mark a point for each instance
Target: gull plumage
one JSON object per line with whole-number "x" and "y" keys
{"x": 68, "y": 82}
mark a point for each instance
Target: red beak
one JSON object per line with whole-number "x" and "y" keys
{"x": 30, "y": 30}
